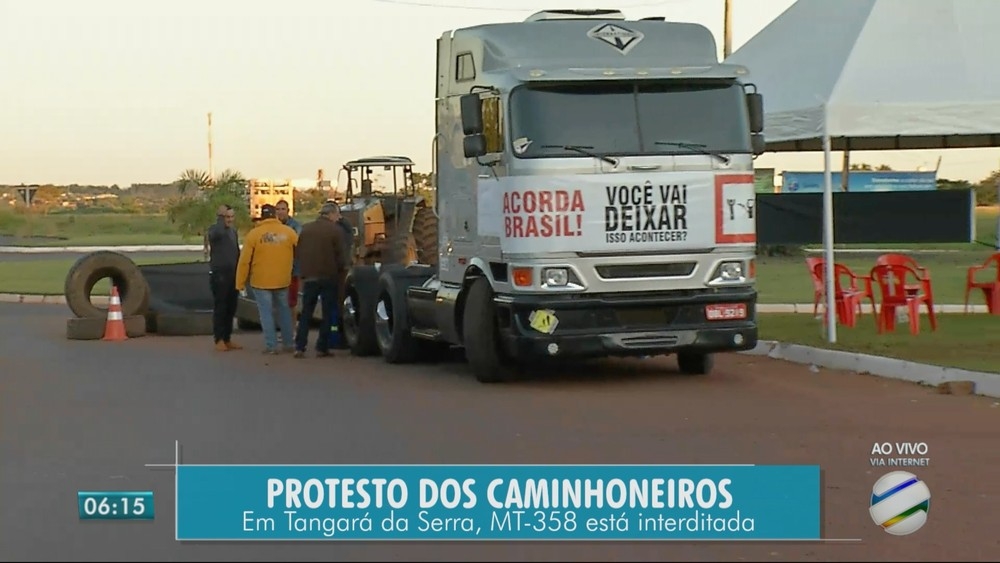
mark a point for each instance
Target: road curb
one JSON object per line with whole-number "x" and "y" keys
{"x": 800, "y": 308}
{"x": 985, "y": 384}
{"x": 45, "y": 299}
{"x": 866, "y": 308}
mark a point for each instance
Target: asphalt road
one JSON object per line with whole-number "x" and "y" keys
{"x": 89, "y": 415}
{"x": 166, "y": 256}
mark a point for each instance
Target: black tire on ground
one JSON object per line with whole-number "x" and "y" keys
{"x": 691, "y": 363}
{"x": 392, "y": 326}
{"x": 481, "y": 335}
{"x": 150, "y": 322}
{"x": 91, "y": 328}
{"x": 425, "y": 235}
{"x": 358, "y": 310}
{"x": 195, "y": 323}
{"x": 247, "y": 316}
{"x": 92, "y": 268}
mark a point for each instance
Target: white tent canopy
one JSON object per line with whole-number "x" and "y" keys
{"x": 873, "y": 75}
{"x": 882, "y": 74}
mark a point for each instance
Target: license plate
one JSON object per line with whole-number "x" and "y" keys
{"x": 726, "y": 312}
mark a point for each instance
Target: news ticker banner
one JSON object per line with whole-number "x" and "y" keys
{"x": 497, "y": 502}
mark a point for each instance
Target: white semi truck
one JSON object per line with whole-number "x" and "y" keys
{"x": 595, "y": 198}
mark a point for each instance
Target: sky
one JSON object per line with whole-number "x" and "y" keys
{"x": 118, "y": 91}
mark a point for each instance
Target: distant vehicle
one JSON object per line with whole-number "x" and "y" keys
{"x": 390, "y": 228}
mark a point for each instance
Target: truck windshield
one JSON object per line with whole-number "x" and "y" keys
{"x": 629, "y": 118}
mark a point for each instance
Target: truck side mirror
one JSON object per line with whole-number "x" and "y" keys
{"x": 755, "y": 105}
{"x": 472, "y": 114}
{"x": 474, "y": 146}
{"x": 757, "y": 143}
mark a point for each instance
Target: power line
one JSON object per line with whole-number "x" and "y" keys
{"x": 487, "y": 9}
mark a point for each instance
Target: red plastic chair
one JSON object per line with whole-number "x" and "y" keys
{"x": 896, "y": 292}
{"x": 922, "y": 283}
{"x": 991, "y": 289}
{"x": 818, "y": 288}
{"x": 846, "y": 298}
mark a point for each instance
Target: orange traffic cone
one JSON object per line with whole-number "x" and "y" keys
{"x": 114, "y": 329}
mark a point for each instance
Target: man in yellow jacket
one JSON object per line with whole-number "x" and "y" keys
{"x": 266, "y": 260}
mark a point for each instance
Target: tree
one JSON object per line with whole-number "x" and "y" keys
{"x": 986, "y": 189}
{"x": 192, "y": 180}
{"x": 863, "y": 167}
{"x": 201, "y": 195}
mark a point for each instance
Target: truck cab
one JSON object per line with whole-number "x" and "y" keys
{"x": 594, "y": 196}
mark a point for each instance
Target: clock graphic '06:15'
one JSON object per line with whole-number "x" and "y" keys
{"x": 115, "y": 505}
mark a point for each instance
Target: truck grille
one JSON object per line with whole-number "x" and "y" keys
{"x": 628, "y": 271}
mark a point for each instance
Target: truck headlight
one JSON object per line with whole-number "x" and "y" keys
{"x": 555, "y": 277}
{"x": 729, "y": 272}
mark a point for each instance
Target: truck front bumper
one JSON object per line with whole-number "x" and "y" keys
{"x": 643, "y": 324}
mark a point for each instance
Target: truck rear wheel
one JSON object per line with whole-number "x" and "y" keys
{"x": 692, "y": 363}
{"x": 392, "y": 326}
{"x": 481, "y": 336}
{"x": 357, "y": 310}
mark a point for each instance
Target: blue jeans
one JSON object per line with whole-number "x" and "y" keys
{"x": 324, "y": 293}
{"x": 267, "y": 301}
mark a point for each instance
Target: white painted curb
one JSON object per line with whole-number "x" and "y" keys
{"x": 761, "y": 308}
{"x": 85, "y": 249}
{"x": 987, "y": 384}
{"x": 866, "y": 308}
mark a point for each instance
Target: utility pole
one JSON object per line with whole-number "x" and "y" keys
{"x": 727, "y": 30}
{"x": 211, "y": 170}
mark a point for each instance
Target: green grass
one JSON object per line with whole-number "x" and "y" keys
{"x": 963, "y": 341}
{"x": 47, "y": 277}
{"x": 784, "y": 279}
{"x": 64, "y": 229}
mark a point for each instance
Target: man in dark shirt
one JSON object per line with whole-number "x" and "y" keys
{"x": 224, "y": 250}
{"x": 320, "y": 255}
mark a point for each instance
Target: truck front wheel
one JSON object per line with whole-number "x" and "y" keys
{"x": 487, "y": 359}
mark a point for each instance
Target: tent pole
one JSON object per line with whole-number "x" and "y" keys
{"x": 831, "y": 309}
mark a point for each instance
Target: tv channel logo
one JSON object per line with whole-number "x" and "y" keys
{"x": 900, "y": 502}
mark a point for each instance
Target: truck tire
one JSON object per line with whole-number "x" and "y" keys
{"x": 196, "y": 323}
{"x": 692, "y": 363}
{"x": 481, "y": 336}
{"x": 91, "y": 328}
{"x": 92, "y": 268}
{"x": 392, "y": 325}
{"x": 358, "y": 310}
{"x": 425, "y": 235}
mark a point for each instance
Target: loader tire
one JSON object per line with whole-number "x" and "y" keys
{"x": 124, "y": 274}
{"x": 195, "y": 323}
{"x": 425, "y": 235}
{"x": 91, "y": 328}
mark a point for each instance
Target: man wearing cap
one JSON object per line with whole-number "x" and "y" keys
{"x": 266, "y": 261}
{"x": 321, "y": 258}
{"x": 223, "y": 245}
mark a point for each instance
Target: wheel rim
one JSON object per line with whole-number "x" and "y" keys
{"x": 383, "y": 321}
{"x": 350, "y": 318}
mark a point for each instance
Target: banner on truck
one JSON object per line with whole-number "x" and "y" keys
{"x": 617, "y": 212}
